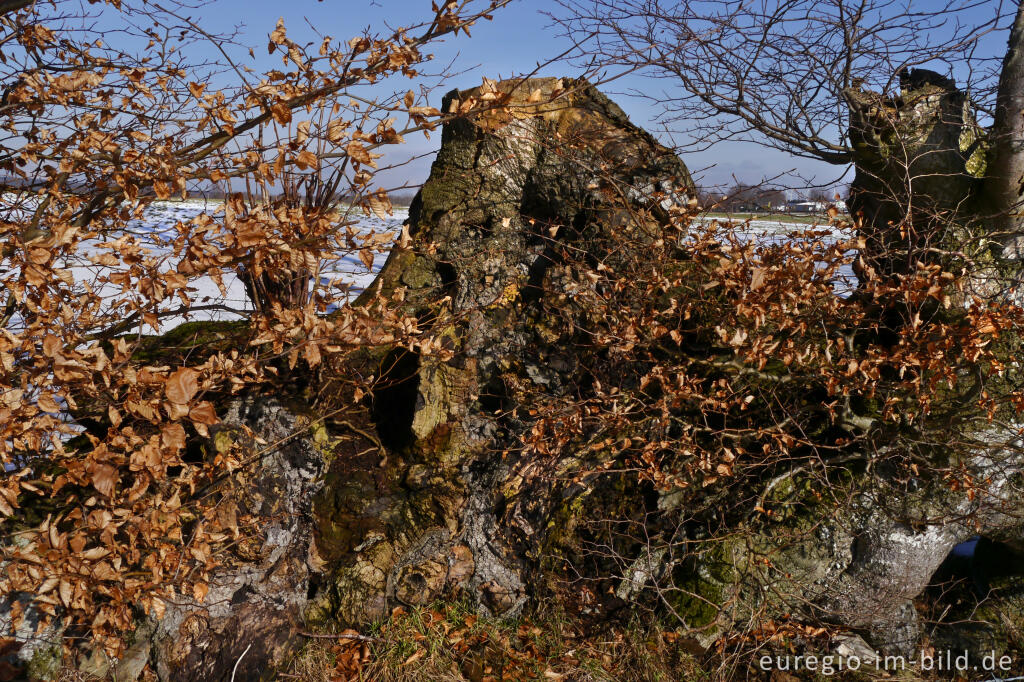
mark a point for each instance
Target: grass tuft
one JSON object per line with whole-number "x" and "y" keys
{"x": 450, "y": 643}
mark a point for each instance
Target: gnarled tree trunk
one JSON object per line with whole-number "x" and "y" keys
{"x": 429, "y": 501}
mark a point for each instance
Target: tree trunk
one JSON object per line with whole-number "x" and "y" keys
{"x": 917, "y": 157}
{"x": 508, "y": 190}
{"x": 1003, "y": 183}
{"x": 919, "y": 198}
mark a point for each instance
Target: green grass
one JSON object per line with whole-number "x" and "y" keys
{"x": 448, "y": 642}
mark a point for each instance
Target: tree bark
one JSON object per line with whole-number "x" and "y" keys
{"x": 1003, "y": 183}
{"x": 8, "y": 6}
{"x": 917, "y": 158}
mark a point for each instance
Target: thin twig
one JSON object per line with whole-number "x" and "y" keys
{"x": 235, "y": 669}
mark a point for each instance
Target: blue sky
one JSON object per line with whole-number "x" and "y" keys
{"x": 513, "y": 42}
{"x": 519, "y": 37}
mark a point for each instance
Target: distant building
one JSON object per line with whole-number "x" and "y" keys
{"x": 801, "y": 206}
{"x": 804, "y": 206}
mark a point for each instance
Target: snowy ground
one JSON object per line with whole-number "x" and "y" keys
{"x": 348, "y": 274}
{"x": 777, "y": 232}
{"x": 348, "y": 271}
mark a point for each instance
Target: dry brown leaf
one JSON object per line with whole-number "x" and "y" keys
{"x": 379, "y": 204}
{"x": 199, "y": 591}
{"x": 47, "y": 403}
{"x": 306, "y": 159}
{"x": 172, "y": 436}
{"x": 66, "y": 592}
{"x": 278, "y": 35}
{"x": 301, "y": 132}
{"x": 94, "y": 554}
{"x": 281, "y": 113}
{"x": 203, "y": 413}
{"x": 358, "y": 153}
{"x": 104, "y": 478}
{"x": 756, "y": 278}
{"x": 182, "y": 385}
{"x": 311, "y": 351}
{"x": 417, "y": 655}
{"x": 336, "y": 129}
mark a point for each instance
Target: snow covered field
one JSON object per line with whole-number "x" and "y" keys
{"x": 157, "y": 230}
{"x": 777, "y": 232}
